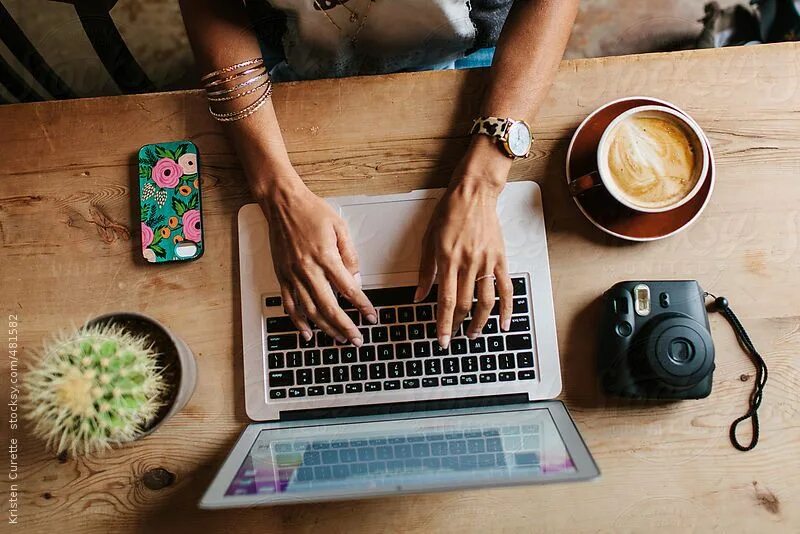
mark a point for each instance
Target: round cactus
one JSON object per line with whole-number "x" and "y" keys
{"x": 95, "y": 388}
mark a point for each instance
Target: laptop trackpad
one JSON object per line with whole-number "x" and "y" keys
{"x": 388, "y": 235}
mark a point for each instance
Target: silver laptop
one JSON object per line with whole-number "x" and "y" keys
{"x": 399, "y": 414}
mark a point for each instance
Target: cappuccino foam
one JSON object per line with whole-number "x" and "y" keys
{"x": 652, "y": 161}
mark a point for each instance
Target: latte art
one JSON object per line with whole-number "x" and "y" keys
{"x": 652, "y": 161}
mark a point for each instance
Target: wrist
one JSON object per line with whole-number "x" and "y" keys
{"x": 484, "y": 166}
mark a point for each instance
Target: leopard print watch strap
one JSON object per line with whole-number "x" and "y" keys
{"x": 492, "y": 126}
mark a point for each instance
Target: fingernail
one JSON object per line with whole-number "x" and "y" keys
{"x": 418, "y": 295}
{"x": 472, "y": 335}
{"x": 306, "y": 335}
{"x": 357, "y": 341}
{"x": 372, "y": 318}
{"x": 341, "y": 339}
{"x": 444, "y": 342}
{"x": 506, "y": 325}
{"x": 357, "y": 278}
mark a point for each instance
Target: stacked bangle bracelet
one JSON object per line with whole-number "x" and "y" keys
{"x": 252, "y": 71}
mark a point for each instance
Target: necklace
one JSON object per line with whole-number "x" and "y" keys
{"x": 354, "y": 16}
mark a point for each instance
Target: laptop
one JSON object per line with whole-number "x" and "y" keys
{"x": 399, "y": 414}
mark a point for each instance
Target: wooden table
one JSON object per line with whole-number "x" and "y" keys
{"x": 67, "y": 170}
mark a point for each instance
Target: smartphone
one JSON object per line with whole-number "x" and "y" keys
{"x": 170, "y": 203}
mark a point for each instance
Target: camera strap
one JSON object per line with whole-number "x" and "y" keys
{"x": 721, "y": 305}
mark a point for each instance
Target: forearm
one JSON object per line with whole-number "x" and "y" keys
{"x": 221, "y": 35}
{"x": 525, "y": 63}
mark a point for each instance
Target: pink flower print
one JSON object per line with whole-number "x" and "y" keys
{"x": 147, "y": 236}
{"x": 166, "y": 173}
{"x": 188, "y": 163}
{"x": 191, "y": 225}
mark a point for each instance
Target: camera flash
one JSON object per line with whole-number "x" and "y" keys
{"x": 641, "y": 299}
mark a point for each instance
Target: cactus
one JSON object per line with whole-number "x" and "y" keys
{"x": 98, "y": 387}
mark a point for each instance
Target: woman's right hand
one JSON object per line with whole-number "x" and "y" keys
{"x": 313, "y": 258}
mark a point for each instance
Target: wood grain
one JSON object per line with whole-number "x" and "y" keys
{"x": 67, "y": 170}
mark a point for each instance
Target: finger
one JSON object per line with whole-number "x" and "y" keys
{"x": 427, "y": 270}
{"x": 485, "y": 295}
{"x": 347, "y": 250}
{"x": 328, "y": 307}
{"x": 446, "y": 305}
{"x": 466, "y": 290}
{"x": 309, "y": 308}
{"x": 348, "y": 288}
{"x": 293, "y": 311}
{"x": 506, "y": 292}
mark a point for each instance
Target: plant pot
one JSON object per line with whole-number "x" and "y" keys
{"x": 180, "y": 368}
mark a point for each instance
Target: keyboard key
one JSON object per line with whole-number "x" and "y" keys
{"x": 469, "y": 379}
{"x": 385, "y": 352}
{"x": 519, "y": 342}
{"x": 372, "y": 386}
{"x": 491, "y": 327}
{"x": 303, "y": 376}
{"x": 494, "y": 445}
{"x": 277, "y": 393}
{"x": 313, "y": 391}
{"x": 402, "y": 451}
{"x": 279, "y": 379}
{"x": 391, "y": 384}
{"x": 475, "y": 446}
{"x": 324, "y": 340}
{"x": 322, "y": 375}
{"x": 507, "y": 376}
{"x": 506, "y": 361}
{"x": 433, "y": 367}
{"x": 388, "y": 316}
{"x": 526, "y": 458}
{"x": 380, "y": 334}
{"x": 430, "y": 331}
{"x": 348, "y": 455}
{"x": 485, "y": 460}
{"x": 486, "y": 378}
{"x": 397, "y": 332}
{"x": 430, "y": 382}
{"x": 275, "y": 360}
{"x": 403, "y": 351}
{"x": 520, "y": 305}
{"x": 520, "y": 287}
{"x": 526, "y": 375}
{"x": 458, "y": 346}
{"x": 354, "y": 316}
{"x": 410, "y": 383}
{"x": 330, "y": 456}
{"x": 310, "y": 344}
{"x": 366, "y": 454}
{"x": 294, "y": 359}
{"x": 524, "y": 360}
{"x": 330, "y": 356}
{"x": 358, "y": 470}
{"x": 424, "y": 313}
{"x": 450, "y": 462}
{"x": 353, "y": 388}
{"x": 469, "y": 363}
{"x": 297, "y": 392}
{"x": 520, "y": 324}
{"x": 334, "y": 389}
{"x": 451, "y": 365}
{"x": 312, "y": 357}
{"x": 495, "y": 344}
{"x": 431, "y": 463}
{"x": 282, "y": 342}
{"x": 438, "y": 350}
{"x": 366, "y": 353}
{"x": 359, "y": 372}
{"x": 377, "y": 371}
{"x": 341, "y": 373}
{"x": 364, "y": 334}
{"x": 488, "y": 362}
{"x": 395, "y": 369}
{"x": 323, "y": 472}
{"x": 340, "y": 471}
{"x": 449, "y": 380}
{"x": 477, "y": 345}
{"x": 416, "y": 331}
{"x": 384, "y": 452}
{"x": 413, "y": 368}
{"x": 280, "y": 324}
{"x": 405, "y": 314}
{"x": 457, "y": 447}
{"x": 271, "y": 302}
{"x": 467, "y": 463}
{"x": 422, "y": 349}
{"x": 349, "y": 355}
{"x": 312, "y": 458}
{"x": 421, "y": 450}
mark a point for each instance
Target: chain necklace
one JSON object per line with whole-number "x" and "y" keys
{"x": 354, "y": 17}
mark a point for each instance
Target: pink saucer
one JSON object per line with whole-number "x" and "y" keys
{"x": 601, "y": 208}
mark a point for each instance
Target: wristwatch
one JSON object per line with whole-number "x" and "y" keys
{"x": 513, "y": 137}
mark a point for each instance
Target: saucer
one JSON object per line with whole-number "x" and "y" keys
{"x": 602, "y": 209}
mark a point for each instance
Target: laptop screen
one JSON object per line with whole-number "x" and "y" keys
{"x": 417, "y": 454}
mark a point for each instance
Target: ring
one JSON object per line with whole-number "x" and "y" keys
{"x": 484, "y": 277}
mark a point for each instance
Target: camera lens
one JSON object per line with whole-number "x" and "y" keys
{"x": 679, "y": 351}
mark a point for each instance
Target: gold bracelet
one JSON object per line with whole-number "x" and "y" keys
{"x": 239, "y": 95}
{"x": 232, "y": 68}
{"x": 221, "y": 92}
{"x": 233, "y": 77}
{"x": 243, "y": 113}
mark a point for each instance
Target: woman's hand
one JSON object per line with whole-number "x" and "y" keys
{"x": 313, "y": 257}
{"x": 464, "y": 245}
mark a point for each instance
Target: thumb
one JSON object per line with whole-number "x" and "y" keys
{"x": 348, "y": 252}
{"x": 427, "y": 269}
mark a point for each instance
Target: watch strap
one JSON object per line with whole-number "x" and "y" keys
{"x": 496, "y": 127}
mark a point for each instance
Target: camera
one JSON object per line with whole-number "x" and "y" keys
{"x": 655, "y": 341}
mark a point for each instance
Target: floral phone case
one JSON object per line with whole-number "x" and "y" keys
{"x": 170, "y": 204}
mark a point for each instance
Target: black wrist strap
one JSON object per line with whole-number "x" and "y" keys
{"x": 721, "y": 305}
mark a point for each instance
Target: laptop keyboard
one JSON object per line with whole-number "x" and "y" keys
{"x": 401, "y": 352}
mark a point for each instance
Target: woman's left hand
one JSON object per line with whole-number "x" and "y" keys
{"x": 464, "y": 245}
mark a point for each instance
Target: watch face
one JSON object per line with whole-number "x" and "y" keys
{"x": 519, "y": 139}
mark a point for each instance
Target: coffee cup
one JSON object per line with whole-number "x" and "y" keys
{"x": 650, "y": 158}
